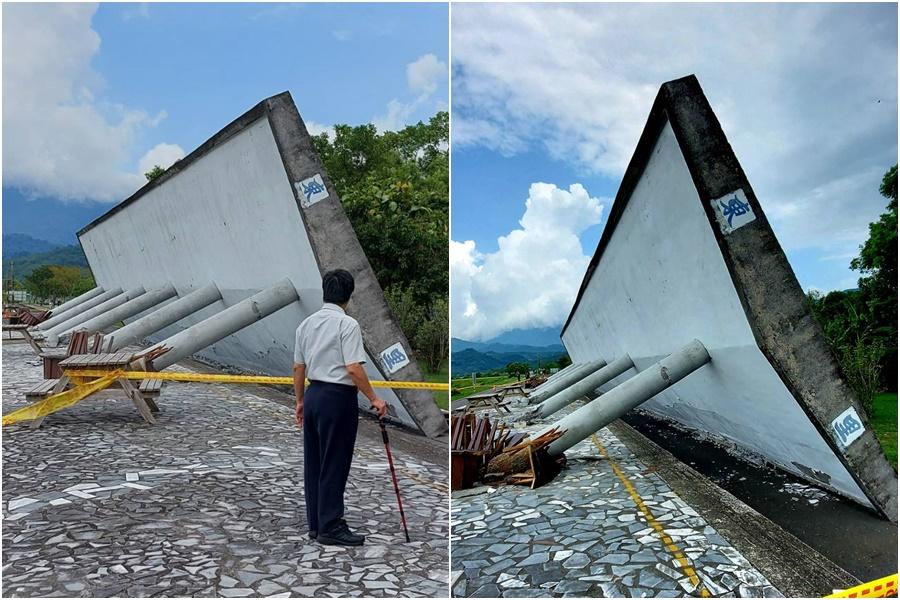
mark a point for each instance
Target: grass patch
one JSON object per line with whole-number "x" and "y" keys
{"x": 884, "y": 421}
{"x": 442, "y": 399}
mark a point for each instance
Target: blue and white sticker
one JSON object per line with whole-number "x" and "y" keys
{"x": 847, "y": 427}
{"x": 733, "y": 211}
{"x": 394, "y": 358}
{"x": 311, "y": 190}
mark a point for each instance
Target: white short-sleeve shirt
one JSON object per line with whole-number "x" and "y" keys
{"x": 326, "y": 342}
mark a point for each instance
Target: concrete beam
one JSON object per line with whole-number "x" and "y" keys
{"x": 222, "y": 324}
{"x": 76, "y": 310}
{"x": 602, "y": 411}
{"x": 556, "y": 376}
{"x": 582, "y": 388}
{"x": 565, "y": 381}
{"x": 52, "y": 334}
{"x": 165, "y": 316}
{"x": 120, "y": 313}
{"x": 93, "y": 292}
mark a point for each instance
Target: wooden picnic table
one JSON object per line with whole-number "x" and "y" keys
{"x": 139, "y": 395}
{"x": 26, "y": 335}
{"x": 487, "y": 399}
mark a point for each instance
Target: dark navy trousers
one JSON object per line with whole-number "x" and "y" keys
{"x": 330, "y": 421}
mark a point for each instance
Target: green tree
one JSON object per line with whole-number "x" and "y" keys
{"x": 877, "y": 261}
{"x": 518, "y": 369}
{"x": 155, "y": 172}
{"x": 433, "y": 336}
{"x": 394, "y": 187}
{"x": 38, "y": 282}
{"x": 564, "y": 361}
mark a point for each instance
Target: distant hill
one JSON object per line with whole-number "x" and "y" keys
{"x": 21, "y": 244}
{"x": 22, "y": 265}
{"x": 537, "y": 336}
{"x": 480, "y": 360}
{"x": 457, "y": 345}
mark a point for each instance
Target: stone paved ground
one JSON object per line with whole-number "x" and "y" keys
{"x": 584, "y": 534}
{"x": 207, "y": 502}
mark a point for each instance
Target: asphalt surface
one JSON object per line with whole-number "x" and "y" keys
{"x": 851, "y": 536}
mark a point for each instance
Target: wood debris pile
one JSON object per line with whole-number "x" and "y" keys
{"x": 482, "y": 451}
{"x": 527, "y": 462}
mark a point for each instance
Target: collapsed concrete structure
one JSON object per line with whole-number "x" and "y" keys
{"x": 222, "y": 256}
{"x": 688, "y": 253}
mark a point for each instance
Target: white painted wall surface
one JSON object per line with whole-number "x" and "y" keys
{"x": 229, "y": 217}
{"x": 662, "y": 281}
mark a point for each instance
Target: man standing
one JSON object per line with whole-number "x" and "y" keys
{"x": 329, "y": 351}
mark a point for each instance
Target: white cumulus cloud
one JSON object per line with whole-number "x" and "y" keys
{"x": 422, "y": 78}
{"x": 59, "y": 138}
{"x": 423, "y": 74}
{"x": 533, "y": 277}
{"x": 163, "y": 155}
{"x": 807, "y": 94}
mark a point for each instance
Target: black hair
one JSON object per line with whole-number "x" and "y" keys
{"x": 337, "y": 286}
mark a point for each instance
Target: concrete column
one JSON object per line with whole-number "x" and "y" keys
{"x": 584, "y": 387}
{"x": 602, "y": 411}
{"x": 165, "y": 316}
{"x": 58, "y": 310}
{"x": 52, "y": 334}
{"x": 556, "y": 376}
{"x": 565, "y": 381}
{"x": 76, "y": 310}
{"x": 129, "y": 309}
{"x": 222, "y": 324}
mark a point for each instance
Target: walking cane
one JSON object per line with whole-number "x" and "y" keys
{"x": 387, "y": 447}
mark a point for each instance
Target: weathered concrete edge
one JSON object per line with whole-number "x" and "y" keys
{"x": 335, "y": 245}
{"x": 776, "y": 307}
{"x": 796, "y": 569}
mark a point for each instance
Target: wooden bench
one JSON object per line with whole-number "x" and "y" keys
{"x": 141, "y": 395}
{"x": 41, "y": 390}
{"x": 149, "y": 388}
{"x": 26, "y": 335}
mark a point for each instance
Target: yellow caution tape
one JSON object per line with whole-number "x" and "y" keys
{"x": 51, "y": 404}
{"x": 886, "y": 587}
{"x": 258, "y": 379}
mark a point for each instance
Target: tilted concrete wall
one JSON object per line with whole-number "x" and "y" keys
{"x": 228, "y": 213}
{"x": 660, "y": 278}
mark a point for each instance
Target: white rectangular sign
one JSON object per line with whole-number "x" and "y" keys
{"x": 311, "y": 190}
{"x": 394, "y": 358}
{"x": 847, "y": 427}
{"x": 733, "y": 211}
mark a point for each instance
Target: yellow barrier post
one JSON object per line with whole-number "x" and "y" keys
{"x": 886, "y": 587}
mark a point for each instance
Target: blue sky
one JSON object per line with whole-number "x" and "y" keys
{"x": 558, "y": 95}
{"x": 100, "y": 91}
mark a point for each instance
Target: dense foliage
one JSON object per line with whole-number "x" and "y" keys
{"x": 20, "y": 266}
{"x": 861, "y": 325}
{"x": 155, "y": 172}
{"x": 394, "y": 187}
{"x": 56, "y": 282}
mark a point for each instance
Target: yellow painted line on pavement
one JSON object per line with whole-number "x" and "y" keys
{"x": 667, "y": 541}
{"x": 249, "y": 379}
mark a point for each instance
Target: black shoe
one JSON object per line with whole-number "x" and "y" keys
{"x": 341, "y": 536}
{"x": 313, "y": 534}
